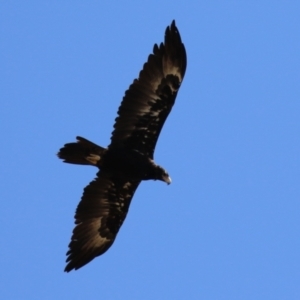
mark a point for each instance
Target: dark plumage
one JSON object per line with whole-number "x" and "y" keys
{"x": 129, "y": 158}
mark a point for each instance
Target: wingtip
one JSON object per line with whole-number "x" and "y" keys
{"x": 172, "y": 27}
{"x": 69, "y": 267}
{"x": 72, "y": 266}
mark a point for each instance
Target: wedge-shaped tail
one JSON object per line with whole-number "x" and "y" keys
{"x": 83, "y": 152}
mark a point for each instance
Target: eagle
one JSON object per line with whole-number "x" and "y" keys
{"x": 129, "y": 158}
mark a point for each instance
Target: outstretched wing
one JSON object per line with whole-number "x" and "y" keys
{"x": 150, "y": 98}
{"x": 98, "y": 218}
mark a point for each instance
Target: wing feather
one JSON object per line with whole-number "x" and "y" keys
{"x": 149, "y": 99}
{"x": 98, "y": 218}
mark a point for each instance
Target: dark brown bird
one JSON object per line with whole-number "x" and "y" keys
{"x": 129, "y": 158}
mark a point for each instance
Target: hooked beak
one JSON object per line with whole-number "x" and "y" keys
{"x": 167, "y": 179}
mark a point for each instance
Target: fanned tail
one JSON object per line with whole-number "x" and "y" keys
{"x": 83, "y": 152}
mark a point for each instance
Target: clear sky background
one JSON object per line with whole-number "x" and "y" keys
{"x": 228, "y": 226}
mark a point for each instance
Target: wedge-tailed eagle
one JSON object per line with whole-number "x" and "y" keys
{"x": 129, "y": 158}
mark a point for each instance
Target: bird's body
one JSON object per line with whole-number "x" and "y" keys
{"x": 129, "y": 158}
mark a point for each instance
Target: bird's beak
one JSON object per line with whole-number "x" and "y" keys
{"x": 167, "y": 179}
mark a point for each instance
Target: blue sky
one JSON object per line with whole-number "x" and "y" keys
{"x": 228, "y": 225}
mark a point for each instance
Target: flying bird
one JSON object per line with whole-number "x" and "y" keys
{"x": 129, "y": 158}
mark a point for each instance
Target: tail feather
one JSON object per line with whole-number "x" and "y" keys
{"x": 83, "y": 152}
